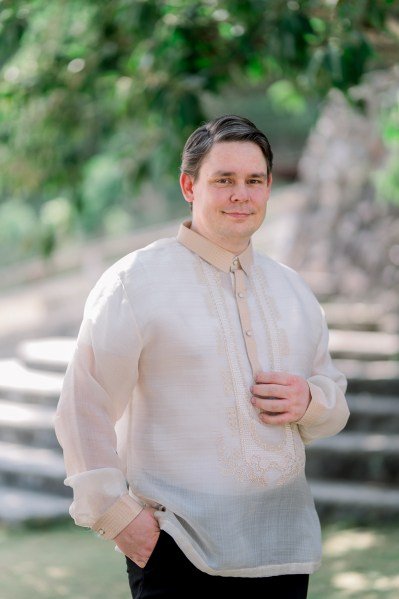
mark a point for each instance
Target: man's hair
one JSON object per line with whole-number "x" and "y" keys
{"x": 224, "y": 128}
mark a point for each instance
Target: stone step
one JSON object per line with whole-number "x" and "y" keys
{"x": 362, "y": 370}
{"x": 31, "y": 424}
{"x": 19, "y": 383}
{"x": 355, "y": 456}
{"x": 356, "y": 502}
{"x": 27, "y": 424}
{"x": 50, "y": 354}
{"x": 334, "y": 500}
{"x": 32, "y": 468}
{"x": 364, "y": 345}
{"x": 371, "y": 376}
{"x": 373, "y": 413}
{"x": 357, "y": 316}
{"x": 54, "y": 353}
{"x": 33, "y": 374}
{"x": 18, "y": 506}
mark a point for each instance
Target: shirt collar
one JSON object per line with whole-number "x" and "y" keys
{"x": 214, "y": 254}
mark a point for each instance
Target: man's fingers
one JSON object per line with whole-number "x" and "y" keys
{"x": 279, "y": 378}
{"x": 269, "y": 391}
{"x": 271, "y": 406}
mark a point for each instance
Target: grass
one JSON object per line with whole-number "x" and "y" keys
{"x": 59, "y": 561}
{"x": 359, "y": 562}
{"x": 64, "y": 561}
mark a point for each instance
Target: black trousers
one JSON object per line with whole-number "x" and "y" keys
{"x": 170, "y": 575}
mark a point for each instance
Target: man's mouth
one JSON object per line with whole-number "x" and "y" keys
{"x": 237, "y": 213}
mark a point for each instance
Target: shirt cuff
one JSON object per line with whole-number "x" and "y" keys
{"x": 314, "y": 408}
{"x": 117, "y": 517}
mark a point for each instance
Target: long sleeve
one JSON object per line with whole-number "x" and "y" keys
{"x": 96, "y": 390}
{"x": 328, "y": 411}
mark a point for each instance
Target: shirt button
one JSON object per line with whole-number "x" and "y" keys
{"x": 248, "y": 333}
{"x": 101, "y": 531}
{"x": 241, "y": 294}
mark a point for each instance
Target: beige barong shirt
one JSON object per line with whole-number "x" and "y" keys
{"x": 155, "y": 407}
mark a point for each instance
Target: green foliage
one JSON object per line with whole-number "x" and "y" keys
{"x": 97, "y": 98}
{"x": 18, "y": 221}
{"x": 285, "y": 98}
{"x": 387, "y": 179}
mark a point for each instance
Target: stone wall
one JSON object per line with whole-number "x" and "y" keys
{"x": 344, "y": 230}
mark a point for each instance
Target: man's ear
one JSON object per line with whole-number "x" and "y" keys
{"x": 269, "y": 185}
{"x": 187, "y": 184}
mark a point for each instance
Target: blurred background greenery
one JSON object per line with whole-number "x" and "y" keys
{"x": 97, "y": 99}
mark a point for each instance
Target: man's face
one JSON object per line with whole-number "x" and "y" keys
{"x": 230, "y": 195}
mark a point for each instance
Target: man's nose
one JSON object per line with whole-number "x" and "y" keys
{"x": 240, "y": 193}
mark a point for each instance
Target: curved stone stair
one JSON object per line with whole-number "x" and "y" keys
{"x": 354, "y": 474}
{"x": 31, "y": 464}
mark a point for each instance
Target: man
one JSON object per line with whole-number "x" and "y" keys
{"x": 201, "y": 371}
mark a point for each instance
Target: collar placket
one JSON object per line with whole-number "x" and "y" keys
{"x": 243, "y": 310}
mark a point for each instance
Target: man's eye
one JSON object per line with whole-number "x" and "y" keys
{"x": 224, "y": 181}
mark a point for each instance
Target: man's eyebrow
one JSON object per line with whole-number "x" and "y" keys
{"x": 259, "y": 175}
{"x": 232, "y": 173}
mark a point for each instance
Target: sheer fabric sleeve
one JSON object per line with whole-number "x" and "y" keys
{"x": 97, "y": 387}
{"x": 328, "y": 411}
